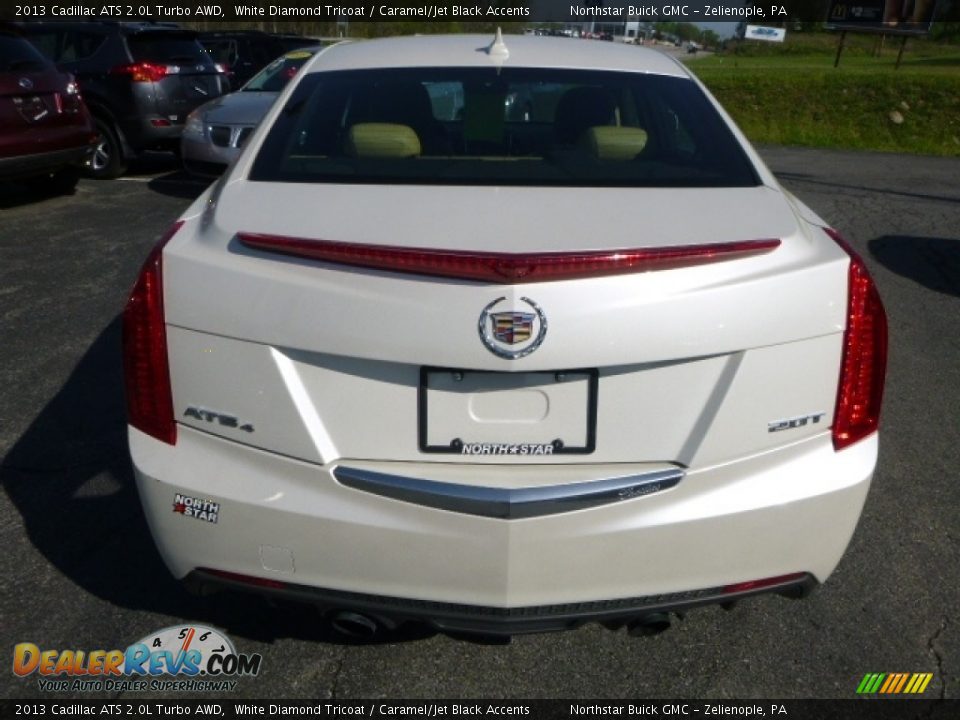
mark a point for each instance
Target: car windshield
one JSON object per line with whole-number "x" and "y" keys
{"x": 508, "y": 126}
{"x": 275, "y": 76}
{"x": 16, "y": 54}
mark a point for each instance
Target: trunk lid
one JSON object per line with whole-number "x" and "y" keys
{"x": 324, "y": 362}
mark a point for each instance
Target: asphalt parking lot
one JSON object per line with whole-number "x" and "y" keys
{"x": 80, "y": 571}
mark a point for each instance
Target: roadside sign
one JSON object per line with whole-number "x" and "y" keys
{"x": 893, "y": 17}
{"x": 760, "y": 32}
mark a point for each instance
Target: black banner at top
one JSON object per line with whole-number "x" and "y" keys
{"x": 499, "y": 11}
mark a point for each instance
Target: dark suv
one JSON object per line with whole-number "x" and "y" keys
{"x": 139, "y": 80}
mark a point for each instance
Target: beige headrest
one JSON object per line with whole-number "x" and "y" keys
{"x": 609, "y": 142}
{"x": 382, "y": 140}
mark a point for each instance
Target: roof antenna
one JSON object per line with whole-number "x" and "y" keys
{"x": 498, "y": 49}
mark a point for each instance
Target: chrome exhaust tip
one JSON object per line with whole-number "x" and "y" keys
{"x": 354, "y": 625}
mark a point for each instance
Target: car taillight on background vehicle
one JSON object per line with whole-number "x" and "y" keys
{"x": 864, "y": 364}
{"x": 145, "y": 366}
{"x": 144, "y": 71}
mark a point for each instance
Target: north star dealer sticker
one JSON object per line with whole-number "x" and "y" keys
{"x": 507, "y": 449}
{"x": 196, "y": 508}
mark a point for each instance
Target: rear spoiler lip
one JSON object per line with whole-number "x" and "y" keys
{"x": 506, "y": 268}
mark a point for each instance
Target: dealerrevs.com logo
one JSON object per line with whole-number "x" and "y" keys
{"x": 178, "y": 658}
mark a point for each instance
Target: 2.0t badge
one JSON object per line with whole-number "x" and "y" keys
{"x": 512, "y": 333}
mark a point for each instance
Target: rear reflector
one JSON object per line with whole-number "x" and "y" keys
{"x": 763, "y": 583}
{"x": 862, "y": 371}
{"x": 245, "y": 579}
{"x": 506, "y": 268}
{"x": 145, "y": 366}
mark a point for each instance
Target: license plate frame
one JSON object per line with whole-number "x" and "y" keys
{"x": 456, "y": 445}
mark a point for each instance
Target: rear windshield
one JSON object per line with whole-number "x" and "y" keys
{"x": 16, "y": 54}
{"x": 516, "y": 126}
{"x": 170, "y": 48}
{"x": 222, "y": 51}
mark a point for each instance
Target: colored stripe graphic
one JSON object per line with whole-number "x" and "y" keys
{"x": 891, "y": 680}
{"x": 894, "y": 683}
{"x": 900, "y": 684}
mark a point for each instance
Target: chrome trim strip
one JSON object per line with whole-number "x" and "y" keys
{"x": 503, "y": 502}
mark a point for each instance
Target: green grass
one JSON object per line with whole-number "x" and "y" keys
{"x": 792, "y": 94}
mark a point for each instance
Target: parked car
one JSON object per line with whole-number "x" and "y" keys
{"x": 419, "y": 369}
{"x": 242, "y": 54}
{"x": 46, "y": 132}
{"x": 140, "y": 81}
{"x": 216, "y": 131}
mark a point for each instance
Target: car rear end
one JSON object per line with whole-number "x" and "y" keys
{"x": 168, "y": 75}
{"x": 44, "y": 125}
{"x": 502, "y": 375}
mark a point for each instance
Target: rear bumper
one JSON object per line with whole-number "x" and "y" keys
{"x": 201, "y": 157}
{"x": 779, "y": 513}
{"x": 140, "y": 133}
{"x": 39, "y": 163}
{"x": 454, "y": 617}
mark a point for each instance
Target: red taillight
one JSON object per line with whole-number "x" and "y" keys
{"x": 506, "y": 268}
{"x": 864, "y": 363}
{"x": 142, "y": 72}
{"x": 763, "y": 583}
{"x": 145, "y": 366}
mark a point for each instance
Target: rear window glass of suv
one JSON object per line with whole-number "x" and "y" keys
{"x": 169, "y": 48}
{"x": 16, "y": 54}
{"x": 515, "y": 126}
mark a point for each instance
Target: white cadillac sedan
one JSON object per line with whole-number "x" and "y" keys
{"x": 421, "y": 356}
